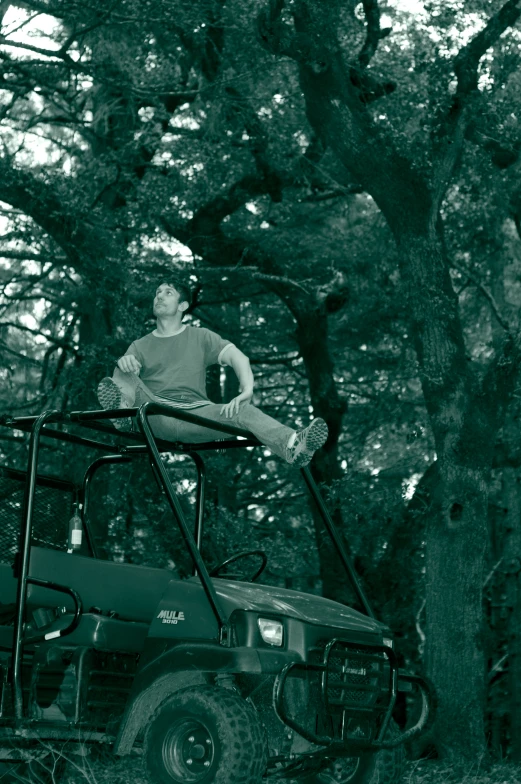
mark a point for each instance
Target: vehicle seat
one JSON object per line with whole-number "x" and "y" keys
{"x": 129, "y": 591}
{"x": 104, "y": 633}
{"x": 94, "y": 631}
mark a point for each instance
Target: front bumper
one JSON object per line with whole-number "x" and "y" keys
{"x": 352, "y": 689}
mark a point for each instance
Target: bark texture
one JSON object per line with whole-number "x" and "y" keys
{"x": 512, "y": 575}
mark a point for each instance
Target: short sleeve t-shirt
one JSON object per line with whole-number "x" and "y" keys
{"x": 174, "y": 367}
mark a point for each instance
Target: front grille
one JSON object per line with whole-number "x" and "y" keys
{"x": 343, "y": 693}
{"x": 354, "y": 677}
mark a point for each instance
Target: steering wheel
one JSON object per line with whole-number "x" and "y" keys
{"x": 260, "y": 553}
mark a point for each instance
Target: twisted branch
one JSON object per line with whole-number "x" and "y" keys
{"x": 466, "y": 64}
{"x": 374, "y": 32}
{"x": 277, "y": 38}
{"x": 467, "y": 60}
{"x": 272, "y": 30}
{"x": 57, "y": 342}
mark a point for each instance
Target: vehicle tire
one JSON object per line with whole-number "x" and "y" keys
{"x": 205, "y": 735}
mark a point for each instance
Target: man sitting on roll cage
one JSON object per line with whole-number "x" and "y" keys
{"x": 168, "y": 366}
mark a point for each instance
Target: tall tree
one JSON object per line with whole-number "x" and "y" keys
{"x": 465, "y": 406}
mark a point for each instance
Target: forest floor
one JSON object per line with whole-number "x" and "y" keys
{"x": 434, "y": 772}
{"x": 130, "y": 771}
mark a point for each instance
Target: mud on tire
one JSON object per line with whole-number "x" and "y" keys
{"x": 205, "y": 735}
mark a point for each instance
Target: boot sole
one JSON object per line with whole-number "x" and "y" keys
{"x": 316, "y": 435}
{"x": 315, "y": 438}
{"x": 110, "y": 397}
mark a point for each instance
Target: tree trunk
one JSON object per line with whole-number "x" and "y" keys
{"x": 465, "y": 411}
{"x": 456, "y": 539}
{"x": 456, "y": 534}
{"x": 511, "y": 481}
{"x": 504, "y": 264}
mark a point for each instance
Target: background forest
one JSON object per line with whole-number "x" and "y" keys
{"x": 340, "y": 183}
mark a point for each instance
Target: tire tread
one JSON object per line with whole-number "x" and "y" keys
{"x": 240, "y": 728}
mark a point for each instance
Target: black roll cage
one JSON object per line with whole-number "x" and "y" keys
{"x": 39, "y": 426}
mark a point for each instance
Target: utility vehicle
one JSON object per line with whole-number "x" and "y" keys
{"x": 206, "y": 679}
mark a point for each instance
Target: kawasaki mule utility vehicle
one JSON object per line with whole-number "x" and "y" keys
{"x": 207, "y": 679}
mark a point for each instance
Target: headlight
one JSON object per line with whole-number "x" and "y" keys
{"x": 271, "y": 631}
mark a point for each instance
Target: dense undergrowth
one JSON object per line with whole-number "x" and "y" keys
{"x": 108, "y": 770}
{"x": 435, "y": 772}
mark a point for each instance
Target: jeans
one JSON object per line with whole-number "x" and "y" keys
{"x": 269, "y": 432}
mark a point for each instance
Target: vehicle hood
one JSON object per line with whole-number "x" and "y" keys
{"x": 306, "y": 607}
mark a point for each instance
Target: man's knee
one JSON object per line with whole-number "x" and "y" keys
{"x": 247, "y": 412}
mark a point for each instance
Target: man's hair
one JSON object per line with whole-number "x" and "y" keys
{"x": 185, "y": 292}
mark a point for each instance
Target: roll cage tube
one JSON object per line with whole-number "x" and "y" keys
{"x": 94, "y": 421}
{"x": 337, "y": 541}
{"x": 171, "y": 495}
{"x": 85, "y": 489}
{"x": 23, "y": 558}
{"x": 126, "y": 457}
{"x": 72, "y": 625}
{"x": 156, "y": 408}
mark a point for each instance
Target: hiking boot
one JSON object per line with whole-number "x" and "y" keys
{"x": 306, "y": 443}
{"x": 111, "y": 397}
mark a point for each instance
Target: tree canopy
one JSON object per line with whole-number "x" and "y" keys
{"x": 340, "y": 184}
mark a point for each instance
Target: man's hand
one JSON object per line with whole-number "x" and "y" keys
{"x": 129, "y": 364}
{"x": 233, "y": 406}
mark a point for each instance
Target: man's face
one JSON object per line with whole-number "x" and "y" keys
{"x": 167, "y": 301}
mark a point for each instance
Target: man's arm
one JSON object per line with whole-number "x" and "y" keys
{"x": 239, "y": 362}
{"x": 129, "y": 363}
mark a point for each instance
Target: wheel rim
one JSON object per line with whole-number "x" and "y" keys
{"x": 188, "y": 751}
{"x": 340, "y": 771}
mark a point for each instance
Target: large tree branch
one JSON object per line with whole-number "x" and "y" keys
{"x": 503, "y": 322}
{"x": 336, "y": 97}
{"x": 57, "y": 342}
{"x": 28, "y": 256}
{"x": 326, "y": 87}
{"x": 203, "y": 232}
{"x": 275, "y": 33}
{"x": 467, "y": 60}
{"x": 79, "y": 239}
{"x": 370, "y": 89}
{"x": 310, "y": 49}
{"x": 254, "y": 273}
{"x": 208, "y": 218}
{"x": 23, "y": 357}
{"x": 374, "y": 33}
{"x": 452, "y": 131}
{"x": 487, "y": 410}
{"x": 51, "y": 53}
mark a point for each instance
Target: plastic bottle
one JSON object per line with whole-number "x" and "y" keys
{"x": 75, "y": 539}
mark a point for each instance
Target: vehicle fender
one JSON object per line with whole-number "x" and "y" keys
{"x": 184, "y": 666}
{"x": 144, "y": 705}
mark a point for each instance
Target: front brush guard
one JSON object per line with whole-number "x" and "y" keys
{"x": 397, "y": 680}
